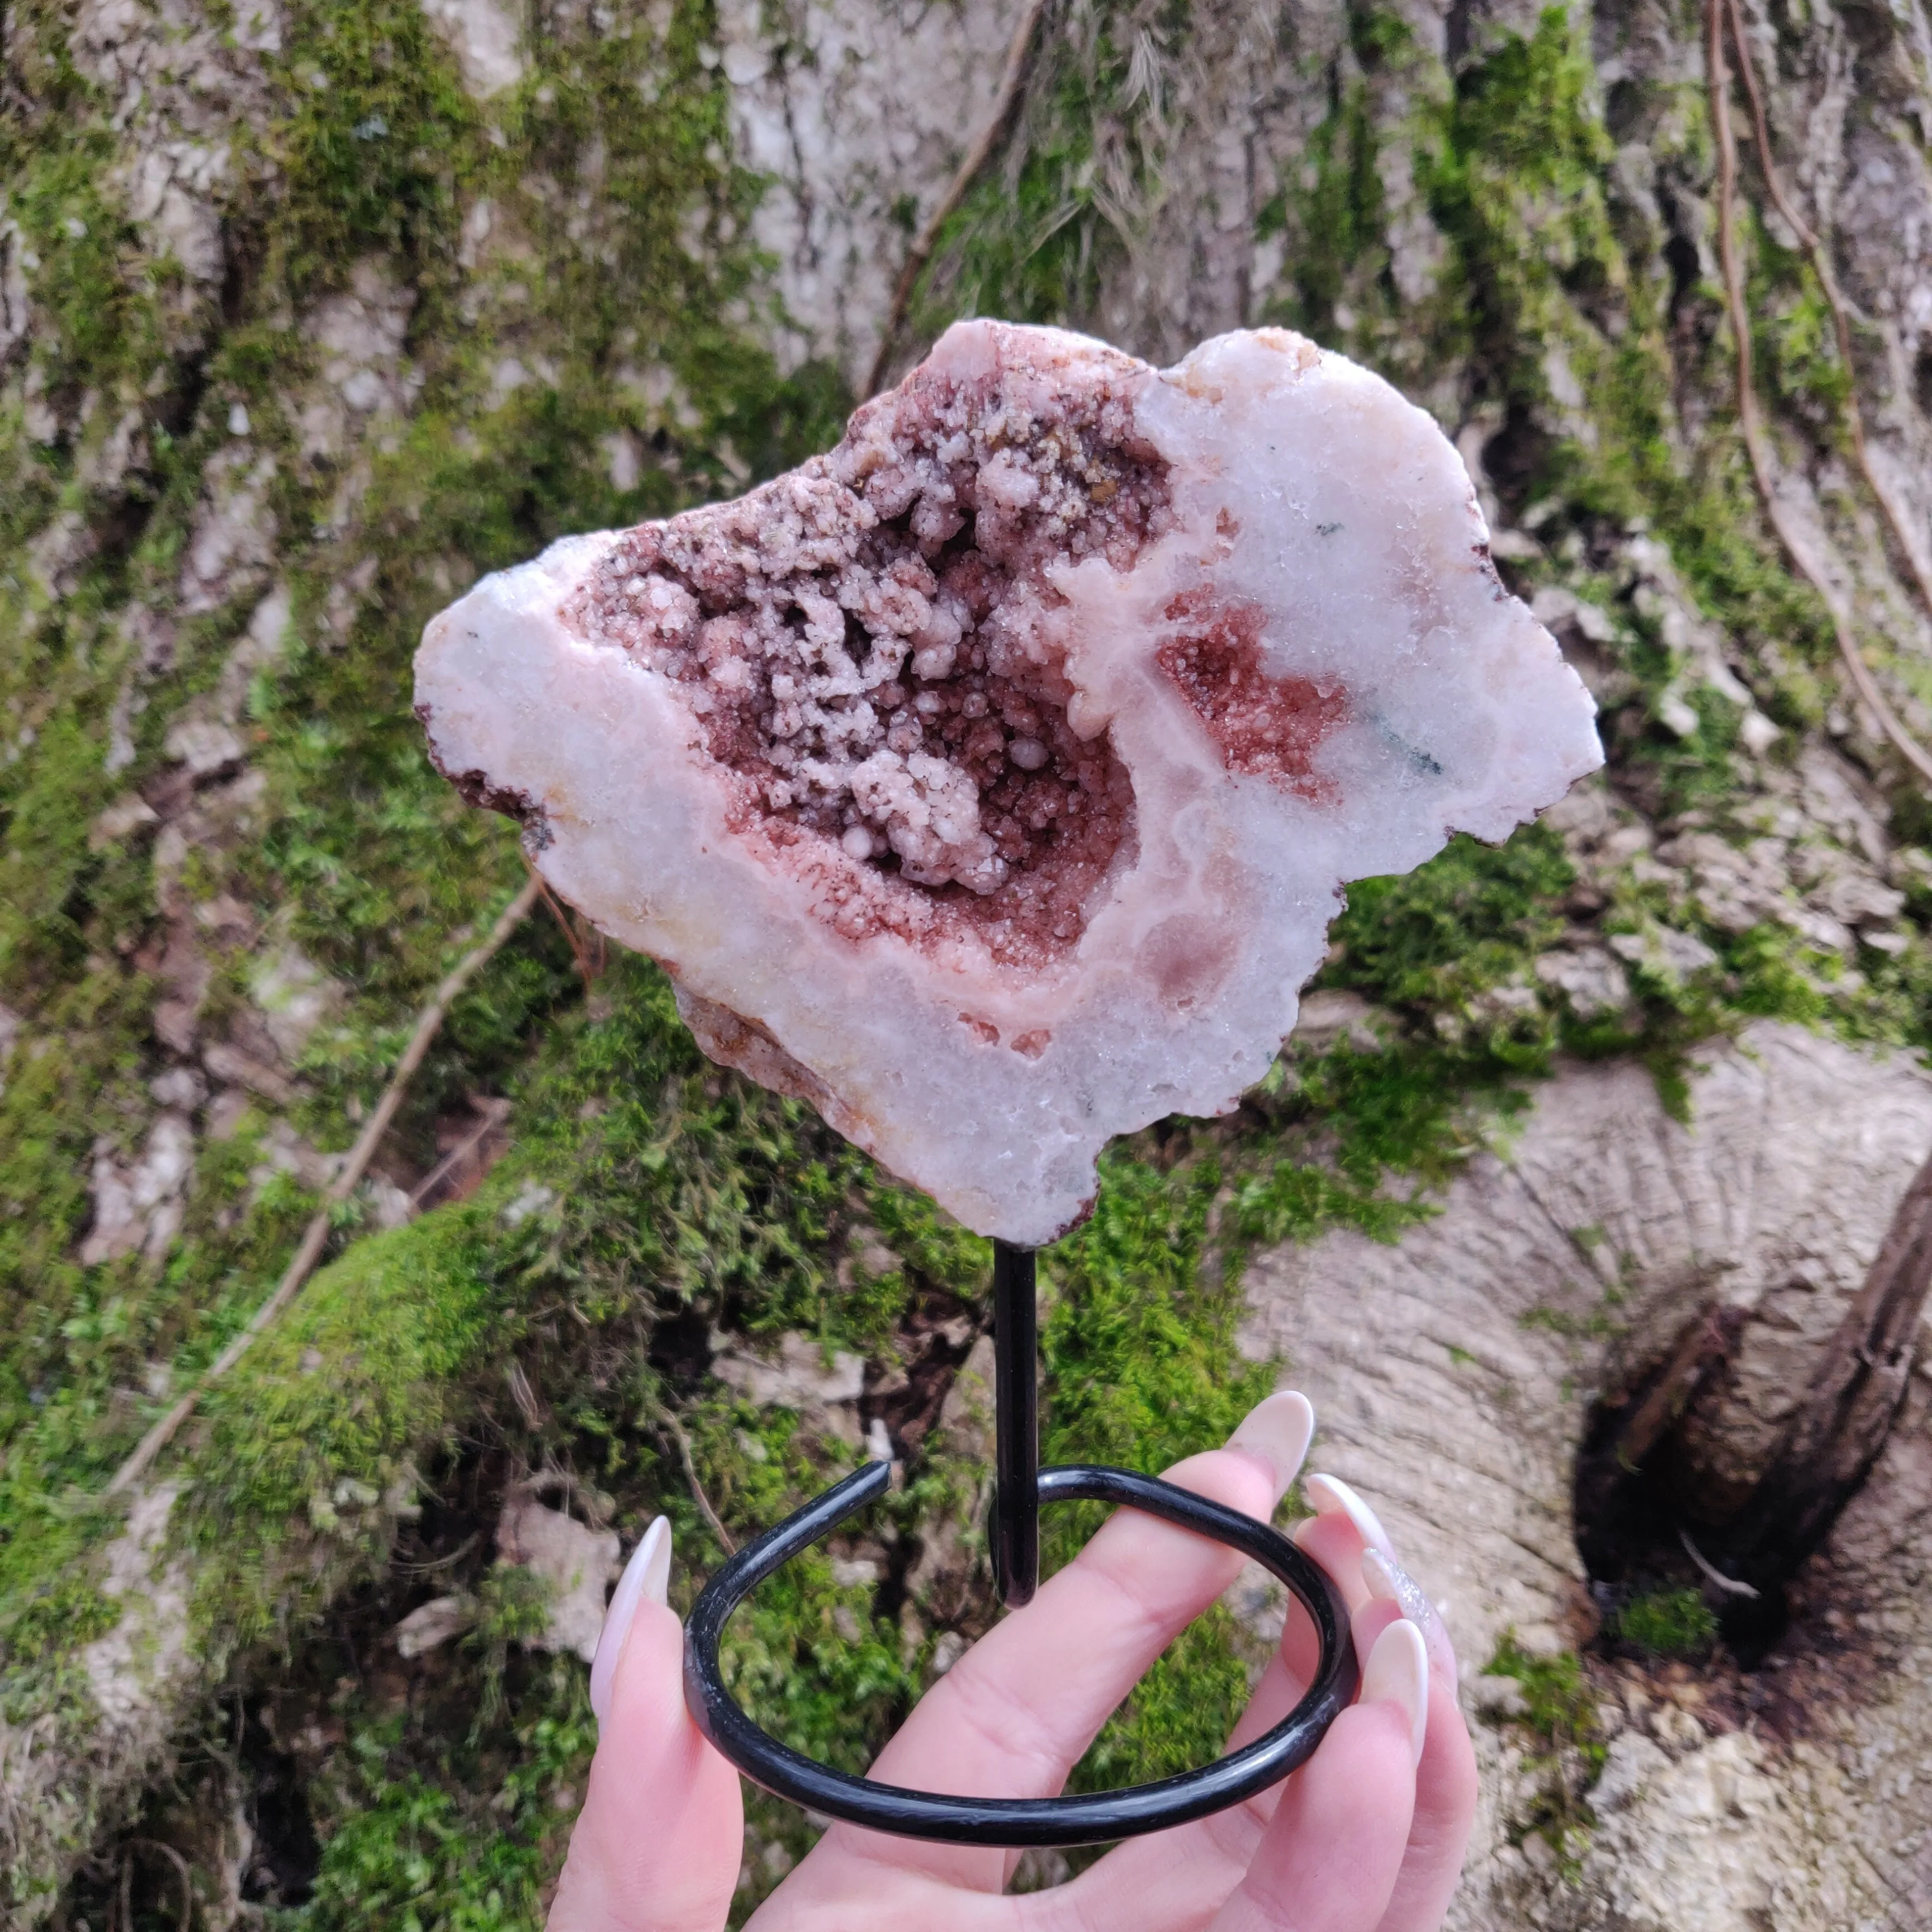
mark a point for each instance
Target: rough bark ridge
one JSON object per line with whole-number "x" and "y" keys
{"x": 309, "y": 313}
{"x": 1455, "y": 1382}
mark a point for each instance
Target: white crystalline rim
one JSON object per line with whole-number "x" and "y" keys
{"x": 1464, "y": 718}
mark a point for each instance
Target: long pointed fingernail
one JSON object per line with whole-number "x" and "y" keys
{"x": 647, "y": 1574}
{"x": 1389, "y": 1582}
{"x": 1277, "y": 1432}
{"x": 1330, "y": 1496}
{"x": 1397, "y": 1672}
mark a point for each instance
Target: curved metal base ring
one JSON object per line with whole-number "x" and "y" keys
{"x": 1084, "y": 1820}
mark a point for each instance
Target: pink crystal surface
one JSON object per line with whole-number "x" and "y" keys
{"x": 990, "y": 782}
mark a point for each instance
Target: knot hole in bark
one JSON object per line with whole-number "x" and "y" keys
{"x": 1679, "y": 1484}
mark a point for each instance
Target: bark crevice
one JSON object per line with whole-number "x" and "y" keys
{"x": 1649, "y": 1501}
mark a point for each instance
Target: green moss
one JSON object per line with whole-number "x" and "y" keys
{"x": 1379, "y": 38}
{"x": 1560, "y": 1711}
{"x": 1297, "y": 1200}
{"x": 1178, "y": 1717}
{"x": 1511, "y": 169}
{"x": 65, "y": 1611}
{"x": 1142, "y": 1370}
{"x": 1139, "y": 1349}
{"x": 391, "y": 1323}
{"x": 48, "y": 808}
{"x": 1526, "y": 110}
{"x": 473, "y": 1847}
{"x": 1596, "y": 1324}
{"x": 650, "y": 1198}
{"x": 1338, "y": 217}
{"x": 369, "y": 861}
{"x": 1665, "y": 1623}
{"x": 1559, "y": 1707}
{"x": 100, "y": 322}
{"x": 378, "y": 129}
{"x": 1798, "y": 349}
{"x": 1037, "y": 233}
{"x": 1514, "y": 168}
{"x": 834, "y": 1693}
{"x": 513, "y": 1607}
{"x": 1365, "y": 1130}
{"x": 1468, "y": 920}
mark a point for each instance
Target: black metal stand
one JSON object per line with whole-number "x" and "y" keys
{"x": 1021, "y": 1487}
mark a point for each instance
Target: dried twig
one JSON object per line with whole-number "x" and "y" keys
{"x": 1729, "y": 1586}
{"x": 491, "y": 1113}
{"x": 675, "y": 1430}
{"x": 596, "y": 1507}
{"x": 1707, "y": 1338}
{"x": 181, "y": 1872}
{"x": 430, "y": 1565}
{"x": 525, "y": 1397}
{"x": 1750, "y": 424}
{"x": 315, "y": 1236}
{"x": 572, "y": 937}
{"x": 1011, "y": 80}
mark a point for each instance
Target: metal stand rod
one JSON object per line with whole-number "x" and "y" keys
{"x": 1015, "y": 1524}
{"x": 1021, "y": 1487}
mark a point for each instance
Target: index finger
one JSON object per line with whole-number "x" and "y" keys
{"x": 1013, "y": 1716}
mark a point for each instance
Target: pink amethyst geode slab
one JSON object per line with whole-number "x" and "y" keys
{"x": 990, "y": 782}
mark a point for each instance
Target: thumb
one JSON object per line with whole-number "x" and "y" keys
{"x": 657, "y": 1845}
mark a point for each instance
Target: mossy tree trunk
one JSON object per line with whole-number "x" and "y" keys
{"x": 309, "y": 312}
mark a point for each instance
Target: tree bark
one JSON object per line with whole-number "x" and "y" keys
{"x": 309, "y": 313}
{"x": 1842, "y": 1426}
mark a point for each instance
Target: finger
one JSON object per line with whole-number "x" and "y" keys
{"x": 1445, "y": 1783}
{"x": 1342, "y": 1527}
{"x": 1387, "y": 1582}
{"x": 657, "y": 1845}
{"x": 1031, "y": 1695}
{"x": 1330, "y": 1856}
{"x": 1014, "y": 1714}
{"x": 1333, "y": 1541}
{"x": 1341, "y": 1536}
{"x": 1183, "y": 1877}
{"x": 1286, "y": 1679}
{"x": 1298, "y": 1653}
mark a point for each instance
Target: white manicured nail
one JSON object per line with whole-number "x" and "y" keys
{"x": 1397, "y": 1672}
{"x": 647, "y": 1574}
{"x": 1389, "y": 1582}
{"x": 1331, "y": 1496}
{"x": 1277, "y": 1432}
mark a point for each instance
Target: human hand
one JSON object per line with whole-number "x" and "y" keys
{"x": 1367, "y": 1836}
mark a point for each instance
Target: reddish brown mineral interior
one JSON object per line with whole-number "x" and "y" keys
{"x": 1264, "y": 727}
{"x": 860, "y": 643}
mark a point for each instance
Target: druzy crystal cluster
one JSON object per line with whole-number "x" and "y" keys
{"x": 990, "y": 782}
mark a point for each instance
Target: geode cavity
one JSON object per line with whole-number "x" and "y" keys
{"x": 990, "y": 781}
